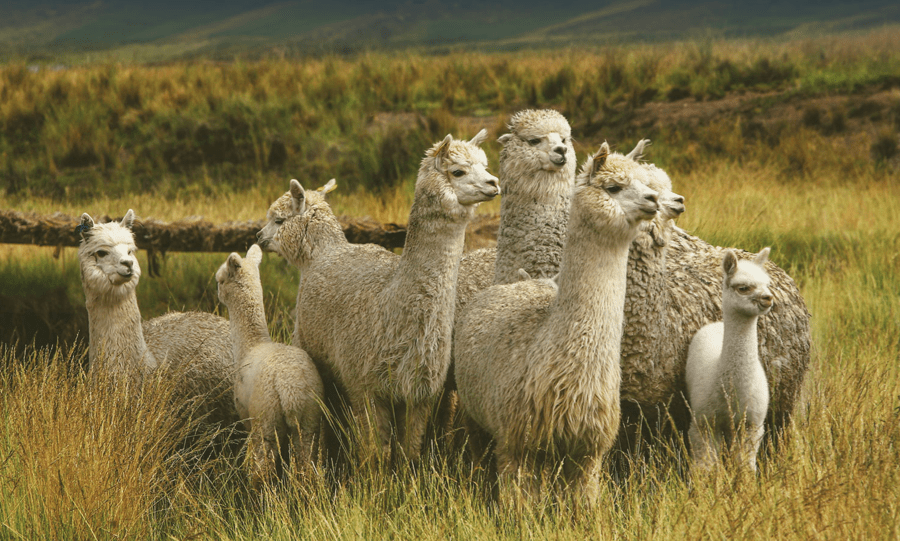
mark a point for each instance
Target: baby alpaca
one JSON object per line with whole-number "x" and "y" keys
{"x": 277, "y": 390}
{"x": 726, "y": 383}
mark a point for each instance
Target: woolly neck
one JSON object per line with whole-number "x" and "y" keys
{"x": 247, "y": 319}
{"x": 534, "y": 215}
{"x": 117, "y": 336}
{"x": 740, "y": 348}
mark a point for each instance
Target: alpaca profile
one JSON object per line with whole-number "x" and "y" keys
{"x": 537, "y": 364}
{"x": 726, "y": 383}
{"x": 192, "y": 346}
{"x": 277, "y": 390}
{"x": 379, "y": 323}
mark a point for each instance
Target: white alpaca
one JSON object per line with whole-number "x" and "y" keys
{"x": 537, "y": 172}
{"x": 537, "y": 366}
{"x": 192, "y": 345}
{"x": 277, "y": 389}
{"x": 377, "y": 322}
{"x": 726, "y": 383}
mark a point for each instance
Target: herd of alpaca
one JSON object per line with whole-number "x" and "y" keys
{"x": 594, "y": 318}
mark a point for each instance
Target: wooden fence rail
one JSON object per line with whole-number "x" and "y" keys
{"x": 201, "y": 236}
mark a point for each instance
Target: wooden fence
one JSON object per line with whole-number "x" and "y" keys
{"x": 158, "y": 237}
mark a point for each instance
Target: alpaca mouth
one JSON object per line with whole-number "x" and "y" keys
{"x": 677, "y": 210}
{"x": 558, "y": 160}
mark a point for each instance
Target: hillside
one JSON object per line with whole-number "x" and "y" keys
{"x": 168, "y": 30}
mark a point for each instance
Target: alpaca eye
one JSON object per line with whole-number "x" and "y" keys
{"x": 744, "y": 289}
{"x": 458, "y": 173}
{"x": 533, "y": 142}
{"x": 613, "y": 189}
{"x": 279, "y": 221}
{"x": 101, "y": 253}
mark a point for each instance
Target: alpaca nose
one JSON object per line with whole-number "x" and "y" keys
{"x": 128, "y": 263}
{"x": 652, "y": 197}
{"x": 561, "y": 150}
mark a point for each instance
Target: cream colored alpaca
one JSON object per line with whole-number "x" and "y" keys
{"x": 726, "y": 383}
{"x": 537, "y": 172}
{"x": 380, "y": 323}
{"x": 277, "y": 389}
{"x": 193, "y": 345}
{"x": 537, "y": 366}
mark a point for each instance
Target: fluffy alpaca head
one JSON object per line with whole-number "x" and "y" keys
{"x": 292, "y": 203}
{"x": 746, "y": 285}
{"x": 613, "y": 189}
{"x": 109, "y": 268}
{"x": 537, "y": 153}
{"x": 671, "y": 205}
{"x": 457, "y": 170}
{"x": 238, "y": 279}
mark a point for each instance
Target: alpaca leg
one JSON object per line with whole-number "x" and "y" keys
{"x": 375, "y": 427}
{"x": 508, "y": 471}
{"x": 750, "y": 445}
{"x": 704, "y": 447}
{"x": 583, "y": 477}
{"x": 417, "y": 416}
{"x": 261, "y": 457}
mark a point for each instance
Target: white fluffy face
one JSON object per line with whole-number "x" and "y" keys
{"x": 746, "y": 287}
{"x": 545, "y": 137}
{"x": 622, "y": 187}
{"x": 671, "y": 205}
{"x": 469, "y": 176}
{"x": 237, "y": 276}
{"x": 107, "y": 256}
{"x": 278, "y": 213}
{"x": 465, "y": 166}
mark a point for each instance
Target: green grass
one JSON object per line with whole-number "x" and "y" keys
{"x": 209, "y": 129}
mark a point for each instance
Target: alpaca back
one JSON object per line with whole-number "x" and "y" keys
{"x": 195, "y": 348}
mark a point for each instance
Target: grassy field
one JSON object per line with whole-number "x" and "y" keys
{"x": 793, "y": 164}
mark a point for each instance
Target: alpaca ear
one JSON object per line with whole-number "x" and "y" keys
{"x": 298, "y": 197}
{"x": 503, "y": 139}
{"x": 638, "y": 151}
{"x": 84, "y": 228}
{"x": 729, "y": 263}
{"x": 523, "y": 274}
{"x": 233, "y": 263}
{"x": 762, "y": 256}
{"x": 128, "y": 219}
{"x": 600, "y": 158}
{"x": 479, "y": 138}
{"x": 441, "y": 152}
{"x": 254, "y": 255}
{"x": 329, "y": 186}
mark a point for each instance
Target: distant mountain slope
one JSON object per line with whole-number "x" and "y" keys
{"x": 314, "y": 25}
